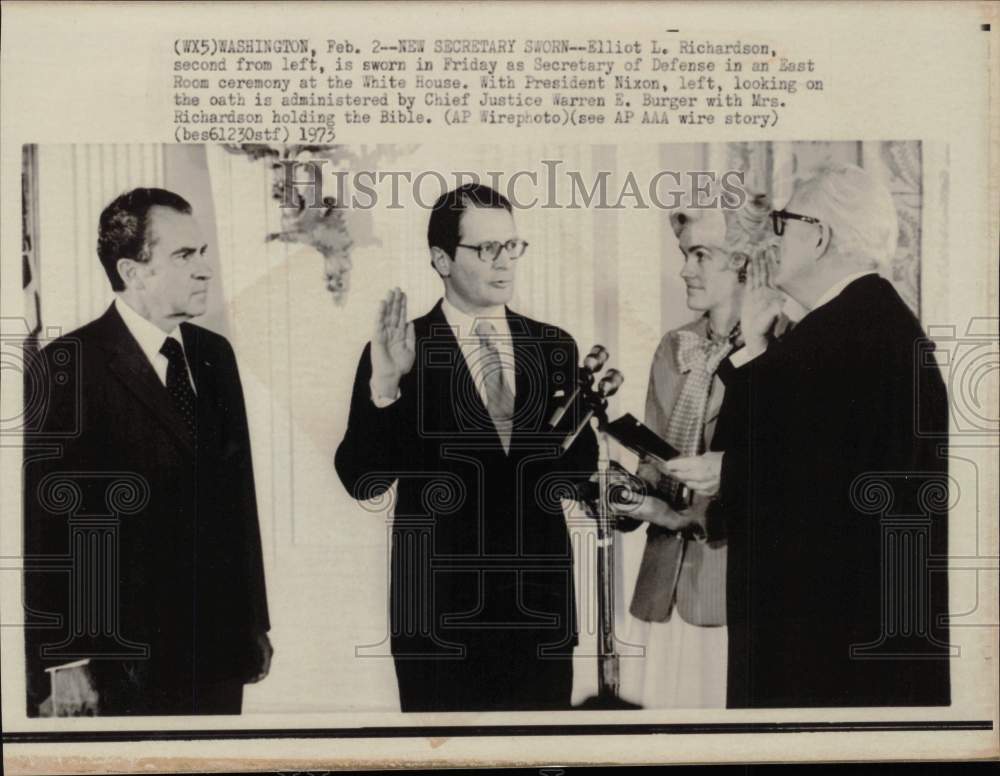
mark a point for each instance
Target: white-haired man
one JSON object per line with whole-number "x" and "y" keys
{"x": 833, "y": 596}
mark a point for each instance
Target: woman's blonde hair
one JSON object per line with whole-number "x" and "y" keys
{"x": 748, "y": 225}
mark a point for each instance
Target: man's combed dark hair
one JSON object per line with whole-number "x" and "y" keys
{"x": 446, "y": 215}
{"x": 122, "y": 229}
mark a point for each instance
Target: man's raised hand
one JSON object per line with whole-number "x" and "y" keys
{"x": 761, "y": 304}
{"x": 393, "y": 344}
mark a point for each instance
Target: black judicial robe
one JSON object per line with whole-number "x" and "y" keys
{"x": 834, "y": 491}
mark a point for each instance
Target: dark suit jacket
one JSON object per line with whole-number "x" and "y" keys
{"x": 481, "y": 566}
{"x": 190, "y": 590}
{"x": 831, "y": 494}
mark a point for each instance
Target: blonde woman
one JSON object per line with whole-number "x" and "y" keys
{"x": 679, "y": 600}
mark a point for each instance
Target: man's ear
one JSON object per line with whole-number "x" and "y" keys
{"x": 441, "y": 262}
{"x": 823, "y": 243}
{"x": 128, "y": 271}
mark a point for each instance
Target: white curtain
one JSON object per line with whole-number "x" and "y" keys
{"x": 75, "y": 183}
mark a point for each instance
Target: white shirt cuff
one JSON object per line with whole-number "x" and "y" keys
{"x": 384, "y": 401}
{"x": 744, "y": 356}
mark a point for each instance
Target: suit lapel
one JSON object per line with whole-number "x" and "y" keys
{"x": 523, "y": 357}
{"x": 201, "y": 367}
{"x": 715, "y": 399}
{"x": 128, "y": 362}
{"x": 716, "y": 389}
{"x": 212, "y": 407}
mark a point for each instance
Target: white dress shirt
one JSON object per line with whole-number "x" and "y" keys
{"x": 150, "y": 338}
{"x": 463, "y": 326}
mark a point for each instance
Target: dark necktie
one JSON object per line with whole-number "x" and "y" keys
{"x": 179, "y": 383}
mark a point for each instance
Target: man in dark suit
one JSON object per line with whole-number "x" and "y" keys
{"x": 453, "y": 406}
{"x": 145, "y": 429}
{"x": 832, "y": 483}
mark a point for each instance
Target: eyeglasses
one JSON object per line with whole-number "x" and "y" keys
{"x": 779, "y": 217}
{"x": 490, "y": 250}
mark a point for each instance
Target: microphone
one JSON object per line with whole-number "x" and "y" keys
{"x": 593, "y": 362}
{"x": 607, "y": 386}
{"x": 610, "y": 383}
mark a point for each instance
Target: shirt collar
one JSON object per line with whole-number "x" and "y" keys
{"x": 466, "y": 324}
{"x": 834, "y": 291}
{"x": 149, "y": 336}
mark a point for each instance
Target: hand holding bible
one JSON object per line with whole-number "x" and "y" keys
{"x": 701, "y": 473}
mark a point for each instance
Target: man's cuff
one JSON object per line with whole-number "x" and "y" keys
{"x": 72, "y": 664}
{"x": 381, "y": 400}
{"x": 744, "y": 356}
{"x": 384, "y": 401}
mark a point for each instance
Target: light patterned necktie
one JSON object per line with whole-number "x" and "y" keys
{"x": 698, "y": 357}
{"x": 499, "y": 398}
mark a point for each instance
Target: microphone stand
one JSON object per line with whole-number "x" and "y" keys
{"x": 608, "y": 676}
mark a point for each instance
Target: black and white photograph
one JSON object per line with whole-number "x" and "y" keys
{"x": 460, "y": 385}
{"x": 645, "y": 427}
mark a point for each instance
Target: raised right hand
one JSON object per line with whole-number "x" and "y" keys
{"x": 393, "y": 343}
{"x": 761, "y": 304}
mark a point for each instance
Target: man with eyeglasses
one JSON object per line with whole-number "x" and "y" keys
{"x": 832, "y": 485}
{"x": 453, "y": 407}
